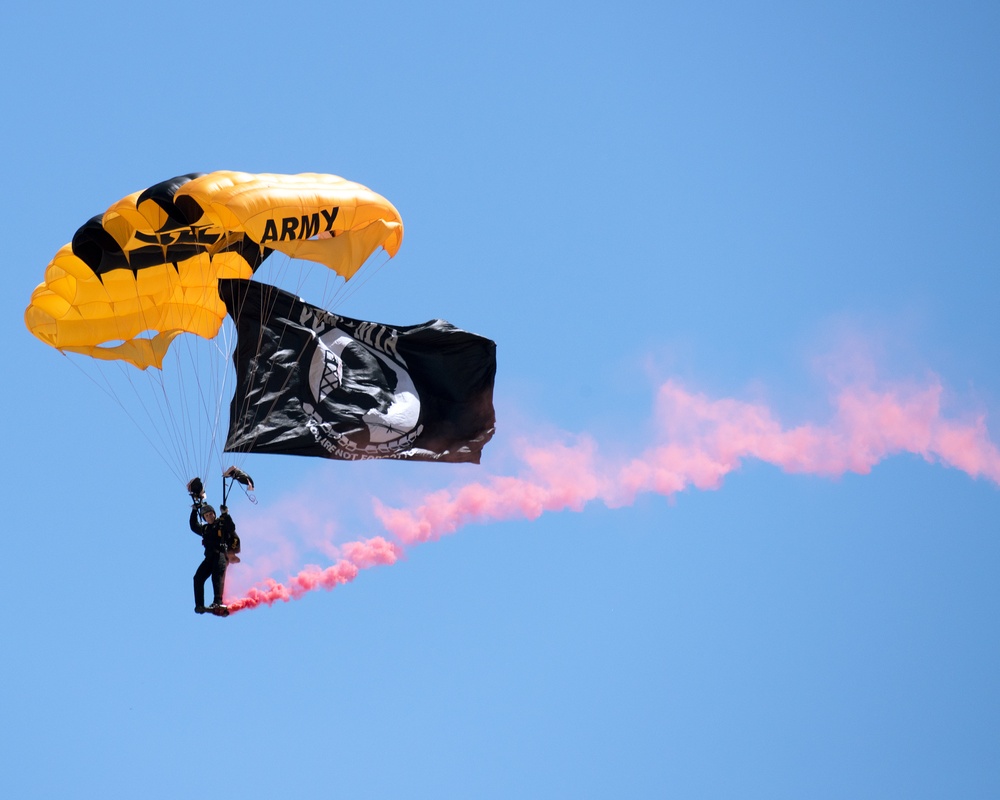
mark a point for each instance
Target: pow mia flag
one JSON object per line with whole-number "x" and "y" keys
{"x": 313, "y": 383}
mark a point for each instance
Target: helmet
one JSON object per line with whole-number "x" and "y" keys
{"x": 207, "y": 509}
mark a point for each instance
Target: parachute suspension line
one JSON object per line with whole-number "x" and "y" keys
{"x": 182, "y": 402}
{"x": 351, "y": 287}
{"x": 223, "y": 345}
{"x": 190, "y": 421}
{"x": 209, "y": 377}
{"x": 106, "y": 387}
{"x": 168, "y": 389}
{"x": 150, "y": 380}
{"x": 159, "y": 392}
{"x": 155, "y": 390}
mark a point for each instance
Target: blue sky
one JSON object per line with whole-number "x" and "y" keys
{"x": 759, "y": 202}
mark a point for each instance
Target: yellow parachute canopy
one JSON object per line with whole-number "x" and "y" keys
{"x": 147, "y": 269}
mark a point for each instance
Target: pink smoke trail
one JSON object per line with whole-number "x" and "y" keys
{"x": 357, "y": 556}
{"x": 703, "y": 440}
{"x": 699, "y": 441}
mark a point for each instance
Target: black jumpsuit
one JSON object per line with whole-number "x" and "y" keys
{"x": 215, "y": 536}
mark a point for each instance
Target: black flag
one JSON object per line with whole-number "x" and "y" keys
{"x": 313, "y": 383}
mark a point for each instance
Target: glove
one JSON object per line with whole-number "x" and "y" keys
{"x": 224, "y": 509}
{"x": 239, "y": 475}
{"x": 196, "y": 489}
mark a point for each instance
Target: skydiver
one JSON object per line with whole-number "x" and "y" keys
{"x": 218, "y": 535}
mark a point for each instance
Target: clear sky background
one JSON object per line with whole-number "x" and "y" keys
{"x": 785, "y": 213}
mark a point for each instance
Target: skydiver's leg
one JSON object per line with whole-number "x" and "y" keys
{"x": 219, "y": 577}
{"x": 200, "y": 576}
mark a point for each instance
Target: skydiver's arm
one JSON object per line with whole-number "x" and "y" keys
{"x": 195, "y": 525}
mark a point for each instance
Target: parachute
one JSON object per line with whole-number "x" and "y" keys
{"x": 136, "y": 278}
{"x": 146, "y": 270}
